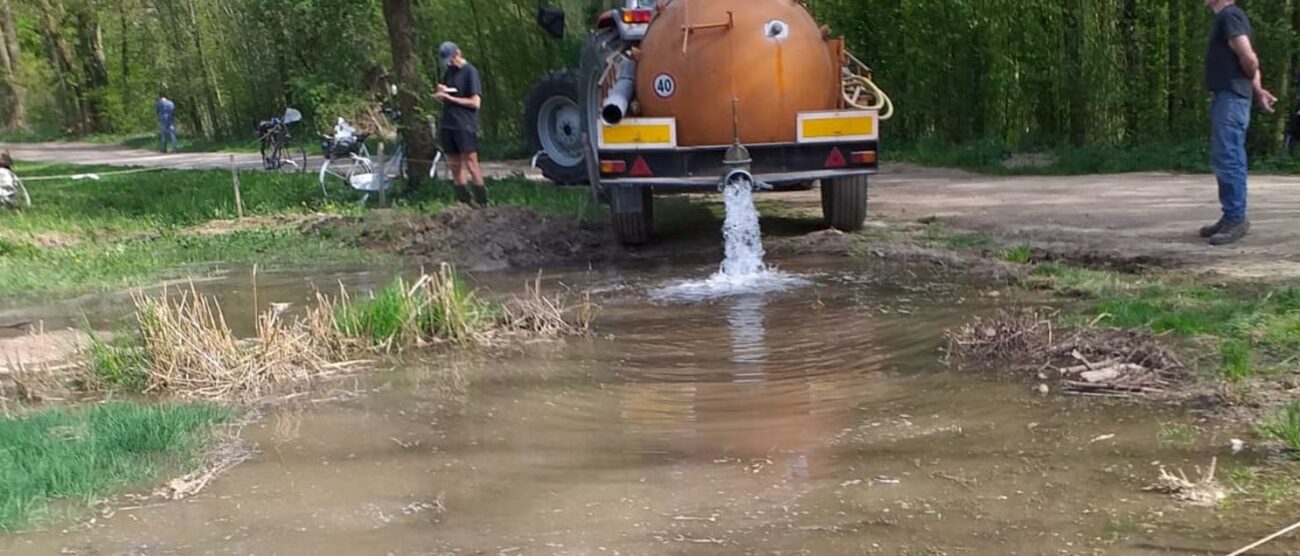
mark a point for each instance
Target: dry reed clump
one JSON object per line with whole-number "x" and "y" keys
{"x": 538, "y": 314}
{"x": 190, "y": 351}
{"x": 182, "y": 345}
{"x": 1085, "y": 361}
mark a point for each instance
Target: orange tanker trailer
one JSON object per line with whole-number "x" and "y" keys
{"x": 676, "y": 95}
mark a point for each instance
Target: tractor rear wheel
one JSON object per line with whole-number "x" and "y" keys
{"x": 844, "y": 202}
{"x": 553, "y": 124}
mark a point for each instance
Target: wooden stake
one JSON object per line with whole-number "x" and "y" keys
{"x": 382, "y": 177}
{"x": 234, "y": 179}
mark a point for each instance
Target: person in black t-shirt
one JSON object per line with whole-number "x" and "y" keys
{"x": 461, "y": 94}
{"x": 1233, "y": 77}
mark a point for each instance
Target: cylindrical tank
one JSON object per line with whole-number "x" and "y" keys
{"x": 768, "y": 54}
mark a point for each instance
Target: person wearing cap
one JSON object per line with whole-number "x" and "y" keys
{"x": 461, "y": 93}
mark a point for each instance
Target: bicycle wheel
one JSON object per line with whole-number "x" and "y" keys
{"x": 291, "y": 158}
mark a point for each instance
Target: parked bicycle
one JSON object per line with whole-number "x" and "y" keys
{"x": 280, "y": 151}
{"x": 12, "y": 191}
{"x": 348, "y": 159}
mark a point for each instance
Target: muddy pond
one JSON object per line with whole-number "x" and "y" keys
{"x": 816, "y": 418}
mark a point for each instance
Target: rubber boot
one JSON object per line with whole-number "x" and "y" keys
{"x": 462, "y": 195}
{"x": 480, "y": 196}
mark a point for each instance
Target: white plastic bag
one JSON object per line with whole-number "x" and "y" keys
{"x": 344, "y": 132}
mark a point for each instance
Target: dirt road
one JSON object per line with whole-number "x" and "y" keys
{"x": 116, "y": 155}
{"x": 1127, "y": 219}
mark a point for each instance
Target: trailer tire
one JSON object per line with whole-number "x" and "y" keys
{"x": 844, "y": 202}
{"x": 552, "y": 123}
{"x": 632, "y": 212}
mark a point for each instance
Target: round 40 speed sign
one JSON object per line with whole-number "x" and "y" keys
{"x": 665, "y": 86}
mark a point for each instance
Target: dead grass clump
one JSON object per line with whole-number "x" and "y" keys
{"x": 538, "y": 314}
{"x": 190, "y": 351}
{"x": 1203, "y": 492}
{"x": 1087, "y": 361}
{"x": 182, "y": 346}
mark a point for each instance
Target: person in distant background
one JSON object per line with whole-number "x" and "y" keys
{"x": 165, "y": 109}
{"x": 461, "y": 93}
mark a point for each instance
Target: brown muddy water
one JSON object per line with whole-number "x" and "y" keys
{"x": 816, "y": 421}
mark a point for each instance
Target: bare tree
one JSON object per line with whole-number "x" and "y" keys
{"x": 406, "y": 72}
{"x": 11, "y": 89}
{"x": 90, "y": 52}
{"x": 63, "y": 62}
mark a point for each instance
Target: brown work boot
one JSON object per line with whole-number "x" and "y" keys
{"x": 1230, "y": 233}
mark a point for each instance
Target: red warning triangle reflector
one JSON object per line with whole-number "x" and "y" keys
{"x": 640, "y": 169}
{"x": 836, "y": 159}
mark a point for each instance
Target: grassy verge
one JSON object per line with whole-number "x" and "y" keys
{"x": 1253, "y": 330}
{"x": 81, "y": 454}
{"x": 126, "y": 230}
{"x": 29, "y": 272}
{"x": 176, "y": 199}
{"x": 995, "y": 158}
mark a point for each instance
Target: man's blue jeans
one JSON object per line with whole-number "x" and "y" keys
{"x": 168, "y": 131}
{"x": 1229, "y": 119}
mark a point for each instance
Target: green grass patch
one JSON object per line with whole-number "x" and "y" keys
{"x": 439, "y": 307}
{"x": 100, "y": 266}
{"x": 82, "y": 454}
{"x": 1176, "y": 434}
{"x": 1237, "y": 360}
{"x": 118, "y": 364}
{"x": 167, "y": 199}
{"x": 1020, "y": 254}
{"x": 1257, "y": 327}
{"x": 1286, "y": 428}
{"x": 937, "y": 235}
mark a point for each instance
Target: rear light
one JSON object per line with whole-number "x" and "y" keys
{"x": 608, "y": 167}
{"x": 635, "y": 17}
{"x": 863, "y": 158}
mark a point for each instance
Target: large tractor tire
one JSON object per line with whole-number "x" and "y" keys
{"x": 844, "y": 202}
{"x": 553, "y": 124}
{"x": 632, "y": 210}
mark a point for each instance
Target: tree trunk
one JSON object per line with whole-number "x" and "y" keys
{"x": 401, "y": 37}
{"x": 210, "y": 89}
{"x": 11, "y": 90}
{"x": 62, "y": 61}
{"x": 90, "y": 51}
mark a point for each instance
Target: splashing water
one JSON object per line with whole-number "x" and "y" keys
{"x": 741, "y": 233}
{"x": 743, "y": 271}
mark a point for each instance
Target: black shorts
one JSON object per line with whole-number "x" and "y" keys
{"x": 456, "y": 141}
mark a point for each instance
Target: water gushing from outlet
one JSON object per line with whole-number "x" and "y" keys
{"x": 743, "y": 271}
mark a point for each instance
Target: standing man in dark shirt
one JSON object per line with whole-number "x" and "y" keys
{"x": 1233, "y": 77}
{"x": 461, "y": 93}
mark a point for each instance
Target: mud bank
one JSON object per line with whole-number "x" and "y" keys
{"x": 496, "y": 238}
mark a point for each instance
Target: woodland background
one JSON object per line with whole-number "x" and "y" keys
{"x": 1019, "y": 74}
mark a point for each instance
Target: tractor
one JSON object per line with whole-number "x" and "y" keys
{"x": 676, "y": 96}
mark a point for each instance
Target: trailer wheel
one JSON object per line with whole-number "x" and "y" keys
{"x": 553, "y": 124}
{"x": 844, "y": 202}
{"x": 632, "y": 212}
